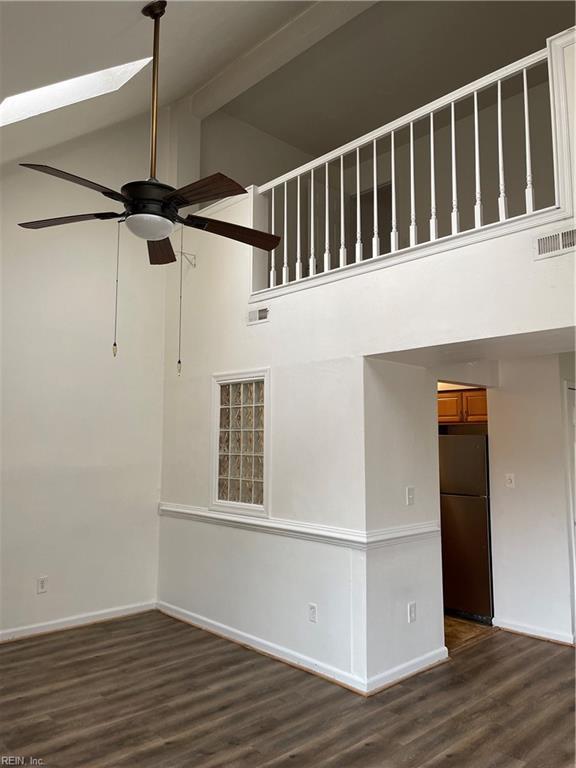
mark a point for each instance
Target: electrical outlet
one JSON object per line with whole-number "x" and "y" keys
{"x": 313, "y": 613}
{"x": 411, "y": 613}
{"x": 410, "y": 495}
{"x": 41, "y": 585}
{"x": 510, "y": 480}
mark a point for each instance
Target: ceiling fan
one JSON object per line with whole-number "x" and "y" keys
{"x": 151, "y": 208}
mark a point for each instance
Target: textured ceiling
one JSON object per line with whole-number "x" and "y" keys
{"x": 45, "y": 42}
{"x": 391, "y": 59}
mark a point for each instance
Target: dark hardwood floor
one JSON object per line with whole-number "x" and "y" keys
{"x": 151, "y": 691}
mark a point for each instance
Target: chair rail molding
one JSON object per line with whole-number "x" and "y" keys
{"x": 349, "y": 538}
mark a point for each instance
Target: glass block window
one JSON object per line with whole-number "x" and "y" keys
{"x": 241, "y": 442}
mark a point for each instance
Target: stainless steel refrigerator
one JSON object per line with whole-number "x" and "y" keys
{"x": 465, "y": 520}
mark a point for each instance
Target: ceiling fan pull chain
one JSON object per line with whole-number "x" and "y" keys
{"x": 179, "y": 363}
{"x": 115, "y": 345}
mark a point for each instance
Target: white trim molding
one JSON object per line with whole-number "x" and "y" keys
{"x": 264, "y": 646}
{"x": 560, "y": 116}
{"x": 93, "y": 617}
{"x": 569, "y": 419}
{"x": 322, "y": 534}
{"x": 231, "y": 507}
{"x": 540, "y": 633}
{"x": 402, "y": 671}
{"x": 280, "y": 652}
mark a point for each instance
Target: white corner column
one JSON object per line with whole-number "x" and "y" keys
{"x": 404, "y": 607}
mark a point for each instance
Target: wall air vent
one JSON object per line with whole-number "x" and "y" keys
{"x": 555, "y": 244}
{"x": 260, "y": 315}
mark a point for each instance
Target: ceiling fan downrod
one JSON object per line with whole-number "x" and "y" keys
{"x": 154, "y": 11}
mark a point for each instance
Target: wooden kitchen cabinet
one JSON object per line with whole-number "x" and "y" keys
{"x": 449, "y": 407}
{"x": 474, "y": 405}
{"x": 461, "y": 406}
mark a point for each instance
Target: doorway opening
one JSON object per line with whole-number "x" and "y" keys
{"x": 465, "y": 513}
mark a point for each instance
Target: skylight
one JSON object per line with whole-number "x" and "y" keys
{"x": 51, "y": 97}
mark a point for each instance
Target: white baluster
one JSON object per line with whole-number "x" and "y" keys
{"x": 478, "y": 203}
{"x": 455, "y": 217}
{"x": 529, "y": 181}
{"x": 342, "y": 226}
{"x": 358, "y": 214}
{"x": 413, "y": 228}
{"x": 502, "y": 201}
{"x": 433, "y": 212}
{"x": 327, "y": 224}
{"x": 272, "y": 280}
{"x": 375, "y": 238}
{"x": 285, "y": 272}
{"x": 394, "y": 230}
{"x": 312, "y": 262}
{"x": 298, "y": 233}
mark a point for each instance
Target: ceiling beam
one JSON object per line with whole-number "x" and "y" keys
{"x": 300, "y": 33}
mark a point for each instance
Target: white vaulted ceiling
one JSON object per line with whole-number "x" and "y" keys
{"x": 46, "y": 42}
{"x": 314, "y": 74}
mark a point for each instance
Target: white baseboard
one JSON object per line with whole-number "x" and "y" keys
{"x": 74, "y": 621}
{"x": 296, "y": 659}
{"x": 541, "y": 633}
{"x": 409, "y": 668}
{"x": 271, "y": 649}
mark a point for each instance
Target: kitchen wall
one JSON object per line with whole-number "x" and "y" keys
{"x": 530, "y": 522}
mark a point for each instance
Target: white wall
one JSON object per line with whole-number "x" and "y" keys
{"x": 401, "y": 447}
{"x": 530, "y": 522}
{"x": 81, "y": 430}
{"x": 244, "y": 152}
{"x": 401, "y": 444}
{"x": 255, "y": 587}
{"x": 316, "y": 408}
{"x": 400, "y": 574}
{"x": 315, "y": 343}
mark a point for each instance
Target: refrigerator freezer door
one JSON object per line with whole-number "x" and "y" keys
{"x": 466, "y": 555}
{"x": 463, "y": 464}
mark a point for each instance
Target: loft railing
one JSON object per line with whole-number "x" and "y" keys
{"x": 451, "y": 166}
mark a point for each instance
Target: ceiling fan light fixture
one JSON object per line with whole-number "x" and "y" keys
{"x": 149, "y": 226}
{"x": 151, "y": 208}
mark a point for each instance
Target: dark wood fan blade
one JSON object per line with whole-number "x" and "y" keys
{"x": 254, "y": 237}
{"x": 213, "y": 187}
{"x": 111, "y": 193}
{"x": 161, "y": 251}
{"x": 69, "y": 220}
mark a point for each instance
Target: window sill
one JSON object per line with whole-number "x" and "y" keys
{"x": 238, "y": 508}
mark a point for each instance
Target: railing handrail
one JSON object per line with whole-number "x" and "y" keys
{"x": 417, "y": 114}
